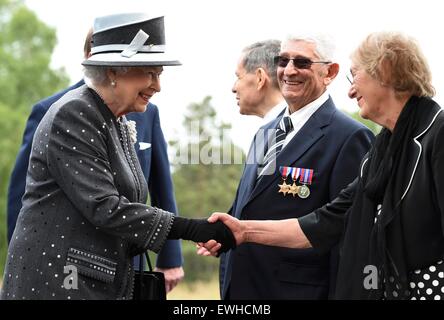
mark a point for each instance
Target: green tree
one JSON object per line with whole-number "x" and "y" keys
{"x": 26, "y": 45}
{"x": 207, "y": 169}
{"x": 369, "y": 124}
{"x": 207, "y": 166}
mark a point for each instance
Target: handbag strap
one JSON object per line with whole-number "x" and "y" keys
{"x": 147, "y": 257}
{"x": 141, "y": 268}
{"x": 141, "y": 263}
{"x": 150, "y": 267}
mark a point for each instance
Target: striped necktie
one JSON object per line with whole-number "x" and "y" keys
{"x": 285, "y": 126}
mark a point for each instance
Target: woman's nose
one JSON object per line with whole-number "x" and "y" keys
{"x": 155, "y": 83}
{"x": 352, "y": 92}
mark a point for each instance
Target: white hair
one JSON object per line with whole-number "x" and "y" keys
{"x": 97, "y": 75}
{"x": 324, "y": 44}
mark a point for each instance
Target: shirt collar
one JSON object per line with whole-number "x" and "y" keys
{"x": 274, "y": 112}
{"x": 304, "y": 113}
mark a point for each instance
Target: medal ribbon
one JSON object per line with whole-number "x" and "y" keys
{"x": 306, "y": 176}
{"x": 295, "y": 173}
{"x": 284, "y": 172}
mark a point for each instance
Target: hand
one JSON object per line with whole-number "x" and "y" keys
{"x": 172, "y": 276}
{"x": 201, "y": 230}
{"x": 231, "y": 222}
{"x": 209, "y": 248}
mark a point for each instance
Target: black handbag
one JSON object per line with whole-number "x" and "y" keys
{"x": 148, "y": 285}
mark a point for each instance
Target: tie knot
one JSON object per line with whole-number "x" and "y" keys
{"x": 286, "y": 125}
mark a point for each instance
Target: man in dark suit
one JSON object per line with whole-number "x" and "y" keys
{"x": 152, "y": 153}
{"x": 326, "y": 146}
{"x": 256, "y": 86}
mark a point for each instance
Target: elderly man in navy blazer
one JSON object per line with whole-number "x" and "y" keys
{"x": 315, "y": 153}
{"x": 152, "y": 153}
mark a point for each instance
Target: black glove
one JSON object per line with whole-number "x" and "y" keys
{"x": 200, "y": 230}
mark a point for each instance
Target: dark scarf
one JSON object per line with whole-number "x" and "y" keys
{"x": 379, "y": 244}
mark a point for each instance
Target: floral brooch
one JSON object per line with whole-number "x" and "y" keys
{"x": 131, "y": 125}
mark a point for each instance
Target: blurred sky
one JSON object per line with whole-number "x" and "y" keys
{"x": 208, "y": 36}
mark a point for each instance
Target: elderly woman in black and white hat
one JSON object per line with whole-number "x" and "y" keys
{"x": 84, "y": 204}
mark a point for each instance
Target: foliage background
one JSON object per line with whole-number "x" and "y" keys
{"x": 26, "y": 76}
{"x": 26, "y": 45}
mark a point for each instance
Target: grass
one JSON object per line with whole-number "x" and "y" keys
{"x": 199, "y": 290}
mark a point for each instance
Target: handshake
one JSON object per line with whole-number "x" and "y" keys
{"x": 222, "y": 232}
{"x": 234, "y": 232}
{"x": 219, "y": 233}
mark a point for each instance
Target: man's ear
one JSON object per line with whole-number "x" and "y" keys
{"x": 333, "y": 70}
{"x": 261, "y": 78}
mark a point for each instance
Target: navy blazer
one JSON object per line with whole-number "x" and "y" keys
{"x": 153, "y": 160}
{"x": 330, "y": 143}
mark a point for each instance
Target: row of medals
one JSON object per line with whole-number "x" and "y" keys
{"x": 302, "y": 191}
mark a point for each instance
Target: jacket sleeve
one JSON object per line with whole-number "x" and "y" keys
{"x": 17, "y": 181}
{"x": 162, "y": 191}
{"x": 324, "y": 226}
{"x": 78, "y": 160}
{"x": 347, "y": 164}
{"x": 438, "y": 171}
{"x": 346, "y": 168}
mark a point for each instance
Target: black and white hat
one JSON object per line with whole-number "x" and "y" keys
{"x": 129, "y": 39}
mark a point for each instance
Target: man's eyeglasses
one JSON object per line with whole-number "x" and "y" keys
{"x": 300, "y": 63}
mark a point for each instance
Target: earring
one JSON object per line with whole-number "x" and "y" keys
{"x": 113, "y": 83}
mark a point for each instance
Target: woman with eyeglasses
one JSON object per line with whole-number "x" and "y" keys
{"x": 390, "y": 220}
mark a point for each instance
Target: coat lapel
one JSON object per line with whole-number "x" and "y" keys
{"x": 249, "y": 176}
{"x": 309, "y": 134}
{"x": 429, "y": 116}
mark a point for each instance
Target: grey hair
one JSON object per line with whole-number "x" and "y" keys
{"x": 324, "y": 44}
{"x": 261, "y": 55}
{"x": 97, "y": 75}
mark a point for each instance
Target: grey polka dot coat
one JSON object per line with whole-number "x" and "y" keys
{"x": 84, "y": 215}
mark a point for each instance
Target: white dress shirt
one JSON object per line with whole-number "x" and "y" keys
{"x": 300, "y": 117}
{"x": 274, "y": 112}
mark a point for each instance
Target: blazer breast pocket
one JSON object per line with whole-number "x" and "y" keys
{"x": 144, "y": 153}
{"x": 143, "y": 146}
{"x": 92, "y": 265}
